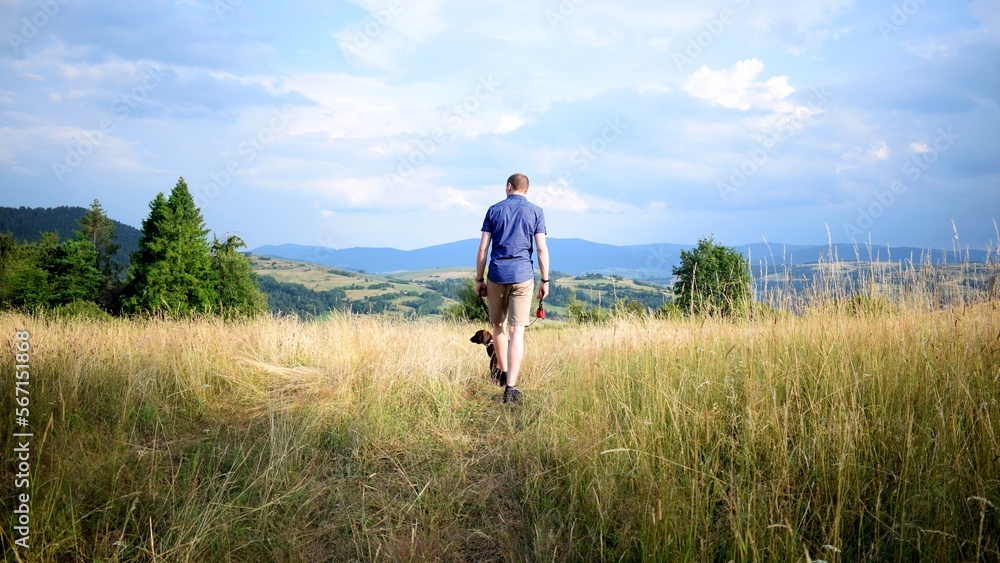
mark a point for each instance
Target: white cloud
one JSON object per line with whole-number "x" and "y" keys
{"x": 879, "y": 151}
{"x": 449, "y": 198}
{"x": 988, "y": 14}
{"x": 737, "y": 87}
{"x": 802, "y": 25}
{"x": 919, "y": 148}
{"x": 508, "y": 123}
{"x": 942, "y": 45}
{"x": 560, "y": 196}
{"x": 382, "y": 38}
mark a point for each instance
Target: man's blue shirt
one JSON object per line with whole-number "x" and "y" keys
{"x": 513, "y": 224}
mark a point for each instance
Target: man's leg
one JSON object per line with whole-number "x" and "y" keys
{"x": 500, "y": 345}
{"x": 497, "y": 298}
{"x": 520, "y": 311}
{"x": 515, "y": 353}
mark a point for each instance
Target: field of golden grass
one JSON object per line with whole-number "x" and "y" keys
{"x": 835, "y": 435}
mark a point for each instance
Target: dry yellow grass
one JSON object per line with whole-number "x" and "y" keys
{"x": 829, "y": 435}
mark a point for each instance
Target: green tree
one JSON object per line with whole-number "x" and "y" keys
{"x": 713, "y": 279}
{"x": 172, "y": 270}
{"x": 238, "y": 290}
{"x": 24, "y": 283}
{"x": 96, "y": 227}
{"x": 470, "y": 305}
{"x": 73, "y": 273}
{"x": 48, "y": 273}
{"x": 8, "y": 258}
{"x": 29, "y": 287}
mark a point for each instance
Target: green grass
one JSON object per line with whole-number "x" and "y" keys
{"x": 320, "y": 278}
{"x": 830, "y": 435}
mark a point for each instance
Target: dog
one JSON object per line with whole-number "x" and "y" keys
{"x": 485, "y": 338}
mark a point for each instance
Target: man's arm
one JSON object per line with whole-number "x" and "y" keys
{"x": 543, "y": 264}
{"x": 484, "y": 246}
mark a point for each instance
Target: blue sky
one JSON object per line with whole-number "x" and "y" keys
{"x": 396, "y": 123}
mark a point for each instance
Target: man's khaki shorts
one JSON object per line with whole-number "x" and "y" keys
{"x": 510, "y": 301}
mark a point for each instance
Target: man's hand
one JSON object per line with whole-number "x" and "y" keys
{"x": 543, "y": 291}
{"x": 481, "y": 288}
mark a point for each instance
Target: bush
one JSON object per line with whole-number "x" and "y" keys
{"x": 668, "y": 311}
{"x": 578, "y": 312}
{"x": 861, "y": 305}
{"x": 81, "y": 309}
{"x": 626, "y": 308}
{"x": 470, "y": 306}
{"x": 713, "y": 279}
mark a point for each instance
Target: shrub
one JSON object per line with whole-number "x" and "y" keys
{"x": 470, "y": 305}
{"x": 713, "y": 279}
{"x": 861, "y": 305}
{"x": 81, "y": 309}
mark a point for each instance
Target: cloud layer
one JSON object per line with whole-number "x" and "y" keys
{"x": 395, "y": 123}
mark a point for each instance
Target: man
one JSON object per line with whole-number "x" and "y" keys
{"x": 513, "y": 228}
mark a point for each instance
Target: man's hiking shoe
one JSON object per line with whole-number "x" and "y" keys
{"x": 498, "y": 377}
{"x": 511, "y": 395}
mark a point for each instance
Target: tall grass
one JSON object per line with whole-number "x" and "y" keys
{"x": 836, "y": 434}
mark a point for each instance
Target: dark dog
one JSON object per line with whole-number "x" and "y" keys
{"x": 485, "y": 338}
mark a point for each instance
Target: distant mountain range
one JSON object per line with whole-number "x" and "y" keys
{"x": 571, "y": 256}
{"x": 576, "y": 256}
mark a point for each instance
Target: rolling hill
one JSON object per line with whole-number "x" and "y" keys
{"x": 577, "y": 257}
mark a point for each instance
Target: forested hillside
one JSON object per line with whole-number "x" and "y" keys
{"x": 28, "y": 223}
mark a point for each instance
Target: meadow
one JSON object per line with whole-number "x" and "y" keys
{"x": 838, "y": 434}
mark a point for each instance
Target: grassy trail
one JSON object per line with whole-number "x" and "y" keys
{"x": 835, "y": 435}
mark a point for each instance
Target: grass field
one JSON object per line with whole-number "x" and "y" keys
{"x": 313, "y": 276}
{"x": 834, "y": 435}
{"x": 319, "y": 278}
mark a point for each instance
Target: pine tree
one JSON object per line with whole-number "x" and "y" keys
{"x": 139, "y": 295}
{"x": 73, "y": 273}
{"x": 239, "y": 292}
{"x": 172, "y": 271}
{"x": 96, "y": 227}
